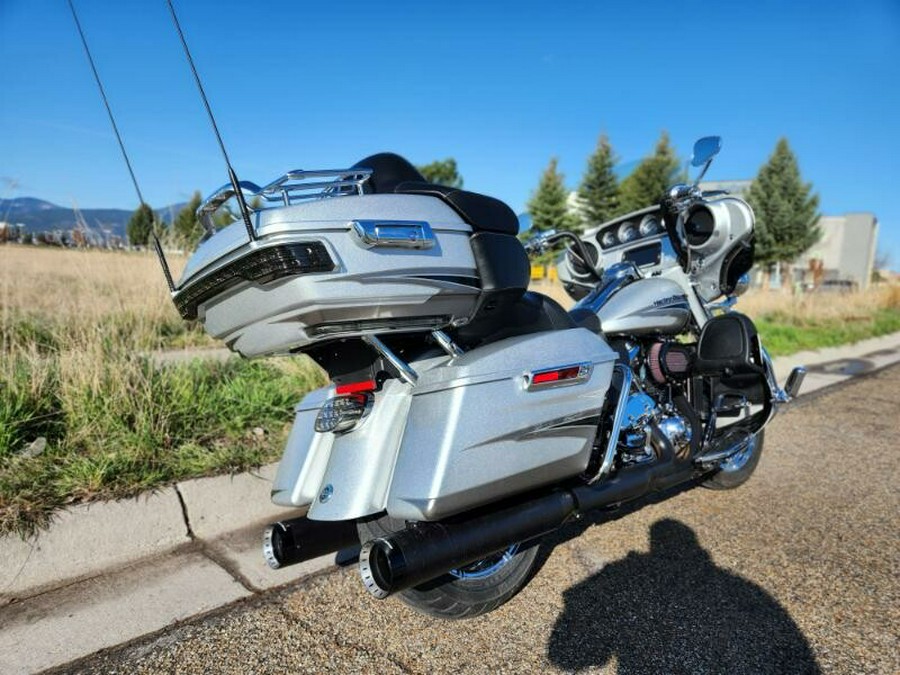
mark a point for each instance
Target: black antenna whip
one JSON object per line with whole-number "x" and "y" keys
{"x": 112, "y": 120}
{"x": 232, "y": 176}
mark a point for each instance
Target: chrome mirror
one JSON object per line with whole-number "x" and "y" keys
{"x": 704, "y": 150}
{"x": 743, "y": 283}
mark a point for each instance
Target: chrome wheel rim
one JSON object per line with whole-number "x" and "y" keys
{"x": 486, "y": 566}
{"x": 739, "y": 460}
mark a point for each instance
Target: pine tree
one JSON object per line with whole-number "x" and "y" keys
{"x": 187, "y": 227}
{"x": 547, "y": 206}
{"x": 443, "y": 172}
{"x": 140, "y": 226}
{"x": 785, "y": 207}
{"x": 599, "y": 191}
{"x": 647, "y": 184}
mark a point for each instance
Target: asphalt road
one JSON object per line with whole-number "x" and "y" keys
{"x": 795, "y": 572}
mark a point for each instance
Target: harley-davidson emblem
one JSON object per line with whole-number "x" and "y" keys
{"x": 671, "y": 300}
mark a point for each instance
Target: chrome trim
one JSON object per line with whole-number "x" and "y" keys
{"x": 613, "y": 441}
{"x": 365, "y": 568}
{"x": 447, "y": 344}
{"x": 215, "y": 201}
{"x": 585, "y": 368}
{"x": 269, "y": 548}
{"x": 366, "y": 399}
{"x": 615, "y": 278}
{"x": 795, "y": 381}
{"x": 394, "y": 234}
{"x": 777, "y": 393}
{"x": 293, "y": 187}
{"x": 709, "y": 460}
{"x": 722, "y": 306}
{"x": 497, "y": 562}
{"x": 407, "y": 374}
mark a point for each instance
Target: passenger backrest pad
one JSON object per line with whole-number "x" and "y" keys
{"x": 505, "y": 271}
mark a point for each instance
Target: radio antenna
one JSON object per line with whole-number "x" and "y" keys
{"x": 232, "y": 176}
{"x": 156, "y": 245}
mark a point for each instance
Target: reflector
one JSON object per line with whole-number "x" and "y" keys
{"x": 558, "y": 377}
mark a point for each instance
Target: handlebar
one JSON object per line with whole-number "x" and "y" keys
{"x": 541, "y": 243}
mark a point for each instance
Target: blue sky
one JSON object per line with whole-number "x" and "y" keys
{"x": 501, "y": 87}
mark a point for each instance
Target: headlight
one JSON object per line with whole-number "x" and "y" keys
{"x": 609, "y": 239}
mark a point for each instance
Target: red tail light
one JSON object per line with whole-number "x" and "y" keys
{"x": 355, "y": 387}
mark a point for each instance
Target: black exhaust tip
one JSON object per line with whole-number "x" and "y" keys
{"x": 289, "y": 542}
{"x": 380, "y": 569}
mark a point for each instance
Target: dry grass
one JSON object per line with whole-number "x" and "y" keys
{"x": 80, "y": 291}
{"x": 84, "y": 414}
{"x": 810, "y": 307}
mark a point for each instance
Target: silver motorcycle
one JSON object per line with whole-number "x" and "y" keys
{"x": 467, "y": 416}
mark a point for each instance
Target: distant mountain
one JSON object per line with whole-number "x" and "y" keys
{"x": 38, "y": 215}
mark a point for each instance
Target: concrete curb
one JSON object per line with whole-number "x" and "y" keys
{"x": 89, "y": 539}
{"x": 222, "y": 504}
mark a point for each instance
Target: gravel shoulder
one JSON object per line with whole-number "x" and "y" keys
{"x": 794, "y": 572}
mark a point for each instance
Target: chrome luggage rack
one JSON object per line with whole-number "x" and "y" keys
{"x": 293, "y": 187}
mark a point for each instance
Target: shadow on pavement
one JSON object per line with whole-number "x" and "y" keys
{"x": 673, "y": 611}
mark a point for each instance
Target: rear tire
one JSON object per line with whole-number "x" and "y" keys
{"x": 476, "y": 589}
{"x": 737, "y": 470}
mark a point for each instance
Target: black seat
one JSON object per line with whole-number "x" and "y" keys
{"x": 483, "y": 213}
{"x": 388, "y": 171}
{"x": 530, "y": 313}
{"x": 393, "y": 173}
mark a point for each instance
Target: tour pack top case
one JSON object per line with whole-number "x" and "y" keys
{"x": 346, "y": 253}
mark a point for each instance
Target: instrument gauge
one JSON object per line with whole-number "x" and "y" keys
{"x": 649, "y": 226}
{"x": 609, "y": 239}
{"x": 627, "y": 232}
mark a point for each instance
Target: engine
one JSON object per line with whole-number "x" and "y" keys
{"x": 651, "y": 413}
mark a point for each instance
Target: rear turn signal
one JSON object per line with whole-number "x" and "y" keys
{"x": 344, "y": 413}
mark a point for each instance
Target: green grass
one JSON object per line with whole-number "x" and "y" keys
{"x": 117, "y": 425}
{"x": 783, "y": 334}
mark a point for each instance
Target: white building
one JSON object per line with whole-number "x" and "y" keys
{"x": 845, "y": 252}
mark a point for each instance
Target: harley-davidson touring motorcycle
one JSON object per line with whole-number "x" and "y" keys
{"x": 467, "y": 416}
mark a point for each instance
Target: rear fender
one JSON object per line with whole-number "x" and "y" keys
{"x": 342, "y": 476}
